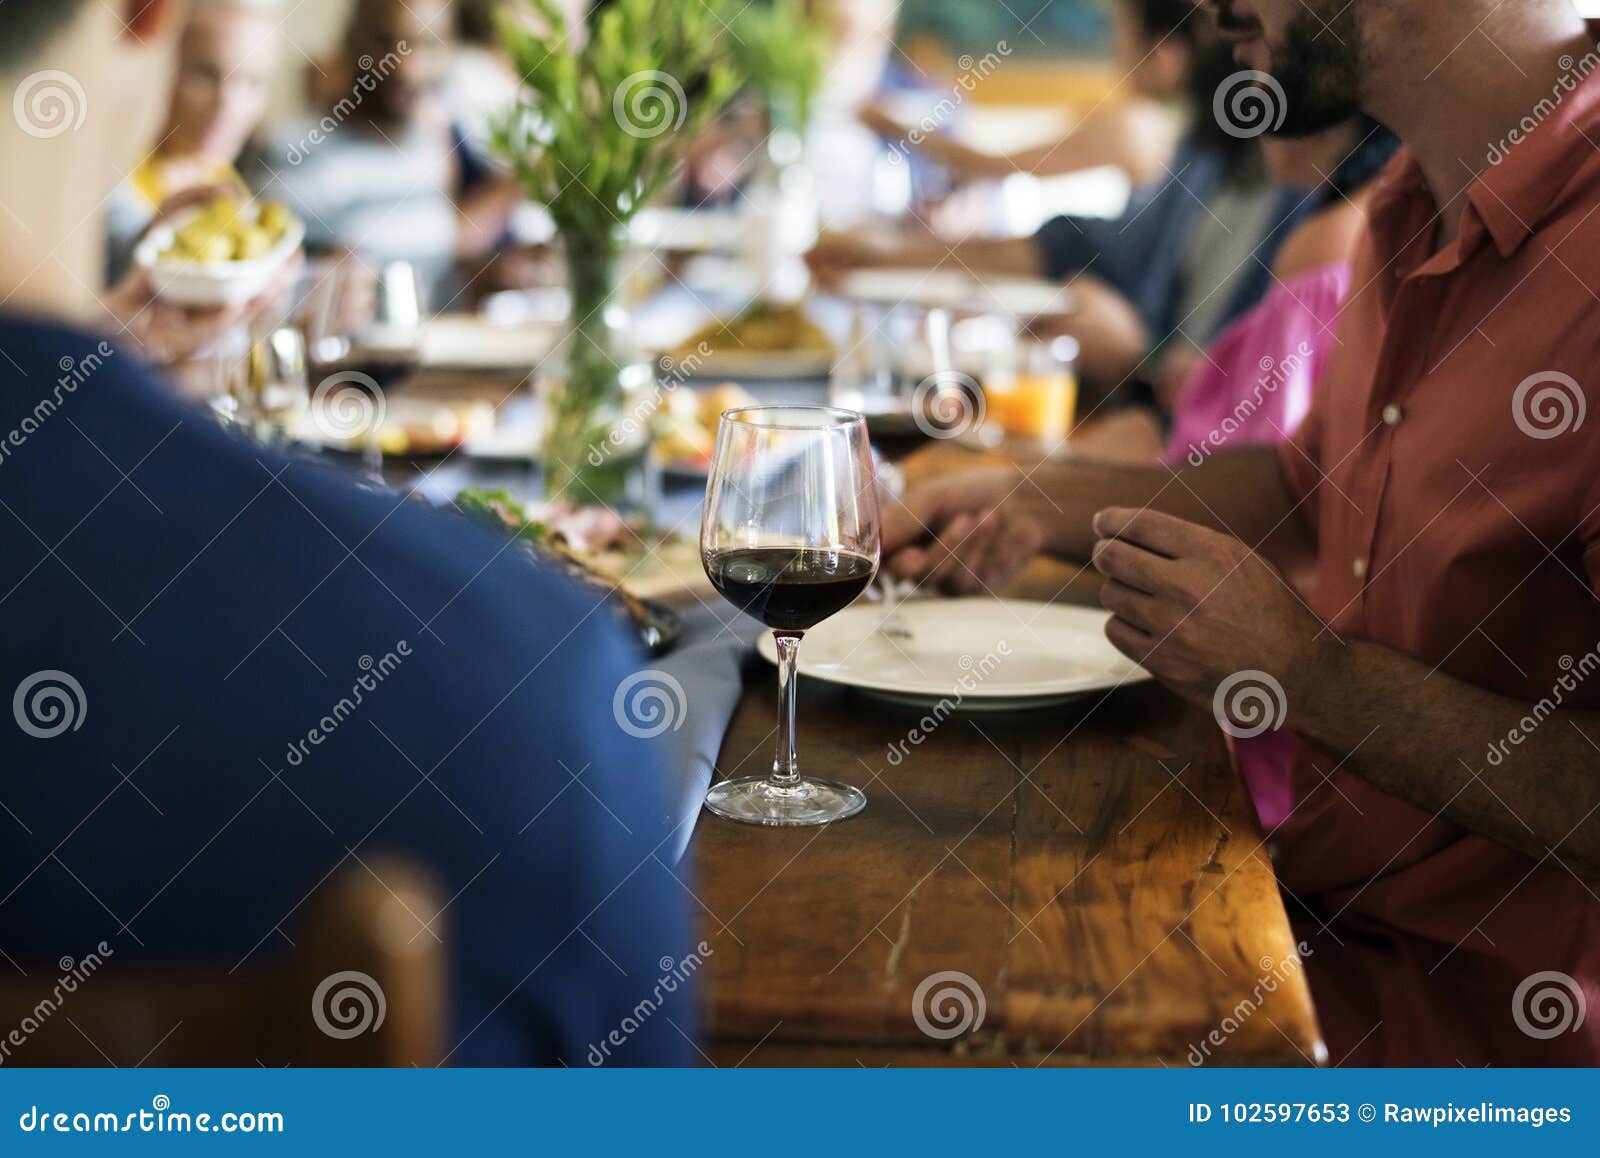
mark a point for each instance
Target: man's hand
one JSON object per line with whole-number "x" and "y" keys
{"x": 1195, "y": 606}
{"x": 166, "y": 333}
{"x": 962, "y": 531}
{"x": 836, "y": 254}
{"x": 1112, "y": 338}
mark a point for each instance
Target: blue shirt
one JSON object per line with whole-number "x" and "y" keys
{"x": 262, "y": 673}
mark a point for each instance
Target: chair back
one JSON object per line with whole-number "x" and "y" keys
{"x": 364, "y": 986}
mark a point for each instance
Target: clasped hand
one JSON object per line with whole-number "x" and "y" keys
{"x": 1195, "y": 606}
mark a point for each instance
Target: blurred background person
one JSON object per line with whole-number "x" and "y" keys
{"x": 480, "y": 82}
{"x": 1254, "y": 382}
{"x": 1137, "y": 128}
{"x": 380, "y": 168}
{"x": 1157, "y": 282}
{"x": 840, "y": 154}
{"x": 226, "y": 57}
{"x": 1231, "y": 395}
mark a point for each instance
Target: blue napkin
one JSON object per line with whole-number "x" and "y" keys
{"x": 706, "y": 665}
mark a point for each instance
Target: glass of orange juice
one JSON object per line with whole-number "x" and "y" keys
{"x": 1040, "y": 400}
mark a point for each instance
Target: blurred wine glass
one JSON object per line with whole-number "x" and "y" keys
{"x": 364, "y": 330}
{"x": 272, "y": 392}
{"x": 861, "y": 378}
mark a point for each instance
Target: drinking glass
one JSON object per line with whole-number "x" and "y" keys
{"x": 789, "y": 536}
{"x": 364, "y": 330}
{"x": 274, "y": 391}
{"x": 1038, "y": 400}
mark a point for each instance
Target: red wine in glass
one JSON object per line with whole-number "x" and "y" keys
{"x": 790, "y": 588}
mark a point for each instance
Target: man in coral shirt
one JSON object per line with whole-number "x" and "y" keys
{"x": 1433, "y": 796}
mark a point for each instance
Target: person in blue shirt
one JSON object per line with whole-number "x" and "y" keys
{"x": 1191, "y": 252}
{"x": 232, "y": 674}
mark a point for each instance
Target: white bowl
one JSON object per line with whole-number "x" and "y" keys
{"x": 212, "y": 283}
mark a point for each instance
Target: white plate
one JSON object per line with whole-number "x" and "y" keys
{"x": 211, "y": 283}
{"x": 438, "y": 428}
{"x": 979, "y": 654}
{"x": 468, "y": 342}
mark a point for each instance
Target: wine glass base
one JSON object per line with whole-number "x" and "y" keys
{"x": 754, "y": 800}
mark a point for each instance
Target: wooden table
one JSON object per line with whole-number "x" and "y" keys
{"x": 1096, "y": 871}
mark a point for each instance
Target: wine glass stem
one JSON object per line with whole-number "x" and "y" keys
{"x": 372, "y": 457}
{"x": 785, "y": 768}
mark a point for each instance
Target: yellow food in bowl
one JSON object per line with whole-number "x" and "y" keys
{"x": 226, "y": 231}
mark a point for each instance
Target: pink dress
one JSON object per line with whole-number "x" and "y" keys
{"x": 1254, "y": 386}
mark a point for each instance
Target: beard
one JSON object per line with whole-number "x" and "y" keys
{"x": 1319, "y": 67}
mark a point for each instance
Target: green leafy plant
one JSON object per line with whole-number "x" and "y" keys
{"x": 598, "y": 130}
{"x": 782, "y": 50}
{"x": 595, "y": 133}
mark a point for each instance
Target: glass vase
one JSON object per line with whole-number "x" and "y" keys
{"x": 596, "y": 398}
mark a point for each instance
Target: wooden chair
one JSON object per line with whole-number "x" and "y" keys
{"x": 371, "y": 942}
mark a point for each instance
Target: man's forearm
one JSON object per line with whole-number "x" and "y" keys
{"x": 1241, "y": 493}
{"x": 1456, "y": 750}
{"x": 1013, "y": 256}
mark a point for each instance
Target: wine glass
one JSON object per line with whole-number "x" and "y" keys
{"x": 789, "y": 536}
{"x": 273, "y": 391}
{"x": 365, "y": 328}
